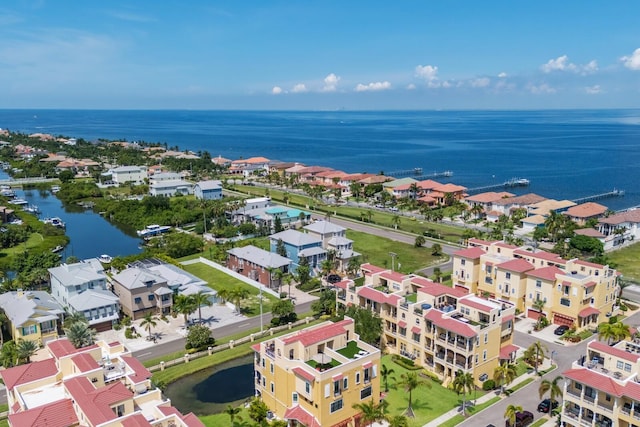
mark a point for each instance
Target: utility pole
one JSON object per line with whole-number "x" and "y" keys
{"x": 393, "y": 260}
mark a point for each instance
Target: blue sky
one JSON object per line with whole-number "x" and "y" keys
{"x": 166, "y": 54}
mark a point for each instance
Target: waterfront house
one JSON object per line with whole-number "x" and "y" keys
{"x": 33, "y": 315}
{"x": 440, "y": 328}
{"x": 620, "y": 228}
{"x": 300, "y": 245}
{"x": 315, "y": 376}
{"x": 243, "y": 212}
{"x": 334, "y": 238}
{"x": 308, "y": 173}
{"x": 179, "y": 281}
{"x": 221, "y": 161}
{"x": 391, "y": 186}
{"x": 249, "y": 167}
{"x": 583, "y": 212}
{"x": 169, "y": 184}
{"x": 545, "y": 207}
{"x": 279, "y": 167}
{"x": 295, "y": 169}
{"x": 128, "y": 174}
{"x": 142, "y": 291}
{"x": 258, "y": 264}
{"x": 505, "y": 206}
{"x": 82, "y": 288}
{"x": 6, "y": 214}
{"x": 208, "y": 190}
{"x": 98, "y": 385}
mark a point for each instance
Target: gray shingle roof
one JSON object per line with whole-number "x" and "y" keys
{"x": 37, "y": 306}
{"x": 93, "y": 298}
{"x": 209, "y": 185}
{"x": 259, "y": 256}
{"x": 133, "y": 278}
{"x": 295, "y": 238}
{"x": 85, "y": 271}
{"x": 324, "y": 227}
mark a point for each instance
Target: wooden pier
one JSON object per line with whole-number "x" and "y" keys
{"x": 19, "y": 182}
{"x": 613, "y": 193}
{"x": 513, "y": 182}
{"x": 419, "y": 172}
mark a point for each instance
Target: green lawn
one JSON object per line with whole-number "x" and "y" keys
{"x": 428, "y": 403}
{"x": 457, "y": 419}
{"x": 626, "y": 261}
{"x": 219, "y": 280}
{"x": 375, "y": 250}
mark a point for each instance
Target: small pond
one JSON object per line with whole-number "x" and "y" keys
{"x": 210, "y": 391}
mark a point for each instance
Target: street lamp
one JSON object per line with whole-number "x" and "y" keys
{"x": 393, "y": 260}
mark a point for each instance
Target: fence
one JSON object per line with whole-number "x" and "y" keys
{"x": 218, "y": 348}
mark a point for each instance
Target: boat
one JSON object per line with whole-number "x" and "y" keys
{"x": 18, "y": 202}
{"x": 32, "y": 209}
{"x": 55, "y": 221}
{"x": 8, "y": 193}
{"x": 153, "y": 230}
{"x": 57, "y": 249}
{"x": 105, "y": 258}
{"x": 55, "y": 189}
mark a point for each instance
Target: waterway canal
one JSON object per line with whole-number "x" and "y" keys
{"x": 211, "y": 390}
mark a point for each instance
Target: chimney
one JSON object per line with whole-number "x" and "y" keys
{"x": 19, "y": 293}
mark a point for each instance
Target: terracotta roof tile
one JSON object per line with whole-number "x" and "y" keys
{"x": 321, "y": 333}
{"x": 84, "y": 362}
{"x": 302, "y": 373}
{"x": 546, "y": 273}
{"x": 96, "y": 403}
{"x": 30, "y": 372}
{"x": 588, "y": 311}
{"x": 57, "y": 414}
{"x": 140, "y": 373}
{"x": 393, "y": 275}
{"x": 595, "y": 380}
{"x": 450, "y": 324}
{"x": 470, "y": 253}
{"x": 302, "y": 416}
{"x": 586, "y": 210}
{"x": 505, "y": 352}
{"x": 518, "y": 265}
{"x": 600, "y": 346}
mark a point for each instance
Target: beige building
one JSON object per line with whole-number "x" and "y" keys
{"x": 141, "y": 291}
{"x": 313, "y": 377}
{"x": 440, "y": 328}
{"x": 575, "y": 292}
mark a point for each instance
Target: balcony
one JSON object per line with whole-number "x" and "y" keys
{"x": 270, "y": 350}
{"x": 574, "y": 393}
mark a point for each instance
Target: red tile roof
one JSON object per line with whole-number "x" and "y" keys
{"x": 84, "y": 362}
{"x": 586, "y": 210}
{"x": 394, "y": 276}
{"x": 372, "y": 294}
{"x": 470, "y": 253}
{"x": 344, "y": 284}
{"x": 136, "y": 420}
{"x": 505, "y": 352}
{"x": 596, "y": 380}
{"x": 588, "y": 311}
{"x": 450, "y": 324}
{"x": 547, "y": 256}
{"x": 63, "y": 347}
{"x": 589, "y": 232}
{"x": 436, "y": 289}
{"x": 30, "y": 372}
{"x": 191, "y": 420}
{"x": 589, "y": 285}
{"x": 370, "y": 268}
{"x": 57, "y": 414}
{"x": 304, "y": 374}
{"x": 96, "y": 403}
{"x": 450, "y": 188}
{"x": 600, "y": 346}
{"x": 546, "y": 273}
{"x": 302, "y": 416}
{"x": 474, "y": 241}
{"x": 321, "y": 333}
{"x": 488, "y": 197}
{"x": 256, "y": 347}
{"x": 588, "y": 264}
{"x": 476, "y": 304}
{"x": 525, "y": 199}
{"x": 632, "y": 216}
{"x": 505, "y": 319}
{"x": 140, "y": 373}
{"x": 518, "y": 265}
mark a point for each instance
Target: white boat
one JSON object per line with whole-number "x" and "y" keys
{"x": 33, "y": 209}
{"x": 18, "y": 202}
{"x": 55, "y": 189}
{"x": 105, "y": 258}
{"x": 55, "y": 221}
{"x": 57, "y": 249}
{"x": 153, "y": 230}
{"x": 8, "y": 193}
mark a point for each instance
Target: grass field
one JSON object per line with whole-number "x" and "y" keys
{"x": 626, "y": 261}
{"x": 376, "y": 250}
{"x": 218, "y": 280}
{"x": 457, "y": 419}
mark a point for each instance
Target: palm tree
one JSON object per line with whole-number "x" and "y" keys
{"x": 398, "y": 421}
{"x": 80, "y": 334}
{"x": 76, "y": 316}
{"x": 462, "y": 383}
{"x": 233, "y": 413}
{"x": 287, "y": 279}
{"x": 148, "y": 322}
{"x": 510, "y": 413}
{"x": 371, "y": 412}
{"x": 504, "y": 374}
{"x": 410, "y": 381}
{"x": 606, "y": 331}
{"x": 477, "y": 210}
{"x": 237, "y": 295}
{"x": 185, "y": 305}
{"x": 386, "y": 374}
{"x": 621, "y": 331}
{"x": 25, "y": 350}
{"x": 326, "y": 267}
{"x": 200, "y": 299}
{"x": 395, "y": 221}
{"x": 538, "y": 349}
{"x": 552, "y": 387}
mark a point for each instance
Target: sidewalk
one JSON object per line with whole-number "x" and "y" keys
{"x": 456, "y": 411}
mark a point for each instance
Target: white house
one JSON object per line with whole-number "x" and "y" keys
{"x": 125, "y": 174}
{"x": 208, "y": 190}
{"x": 82, "y": 288}
{"x": 620, "y": 228}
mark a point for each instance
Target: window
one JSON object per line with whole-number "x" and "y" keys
{"x": 565, "y": 302}
{"x": 627, "y": 367}
{"x": 367, "y": 378}
{"x": 294, "y": 397}
{"x": 538, "y": 283}
{"x": 151, "y": 297}
{"x": 336, "y": 406}
{"x": 357, "y": 377}
{"x": 477, "y": 357}
{"x": 365, "y": 392}
{"x": 486, "y": 337}
{"x": 271, "y": 367}
{"x": 489, "y": 268}
{"x": 28, "y": 330}
{"x": 484, "y": 355}
{"x": 119, "y": 410}
{"x": 507, "y": 275}
{"x": 137, "y": 300}
{"x": 336, "y": 388}
{"x": 345, "y": 383}
{"x": 462, "y": 261}
{"x": 620, "y": 364}
{"x": 273, "y": 387}
{"x": 307, "y": 387}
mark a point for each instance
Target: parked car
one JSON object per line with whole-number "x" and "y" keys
{"x": 333, "y": 278}
{"x": 560, "y": 330}
{"x": 547, "y": 405}
{"x": 523, "y": 419}
{"x": 393, "y": 209}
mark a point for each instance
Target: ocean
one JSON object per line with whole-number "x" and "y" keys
{"x": 566, "y": 154}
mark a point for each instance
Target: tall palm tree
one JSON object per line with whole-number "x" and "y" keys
{"x": 621, "y": 331}
{"x": 395, "y": 221}
{"x": 462, "y": 383}
{"x": 26, "y": 349}
{"x": 326, "y": 267}
{"x": 552, "y": 387}
{"x": 504, "y": 374}
{"x": 76, "y": 316}
{"x": 80, "y": 334}
{"x": 538, "y": 349}
{"x": 398, "y": 421}
{"x": 606, "y": 331}
{"x": 371, "y": 411}
{"x": 386, "y": 374}
{"x": 199, "y": 300}
{"x": 510, "y": 413}
{"x": 148, "y": 322}
{"x": 185, "y": 305}
{"x": 237, "y": 295}
{"x": 233, "y": 413}
{"x": 410, "y": 381}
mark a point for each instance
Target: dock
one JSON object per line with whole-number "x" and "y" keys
{"x": 513, "y": 182}
{"x": 419, "y": 172}
{"x": 613, "y": 193}
{"x": 19, "y": 182}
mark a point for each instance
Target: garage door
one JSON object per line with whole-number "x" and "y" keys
{"x": 559, "y": 319}
{"x": 533, "y": 314}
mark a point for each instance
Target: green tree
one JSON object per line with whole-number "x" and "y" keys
{"x": 436, "y": 249}
{"x": 233, "y": 413}
{"x": 510, "y": 413}
{"x": 258, "y": 410}
{"x": 326, "y": 266}
{"x": 325, "y": 304}
{"x": 277, "y": 225}
{"x": 398, "y": 421}
{"x": 367, "y": 324}
{"x": 199, "y": 337}
{"x": 503, "y": 374}
{"x": 353, "y": 266}
{"x": 148, "y": 322}
{"x": 3, "y": 321}
{"x": 463, "y": 383}
{"x": 281, "y": 249}
{"x": 411, "y": 381}
{"x": 80, "y": 334}
{"x": 185, "y": 305}
{"x": 538, "y": 349}
{"x": 284, "y": 311}
{"x": 76, "y": 316}
{"x": 9, "y": 354}
{"x": 25, "y": 349}
{"x": 371, "y": 411}
{"x": 386, "y": 374}
{"x": 552, "y": 387}
{"x": 395, "y": 221}
{"x": 303, "y": 272}
{"x": 200, "y": 299}
{"x": 237, "y": 295}
{"x": 420, "y": 240}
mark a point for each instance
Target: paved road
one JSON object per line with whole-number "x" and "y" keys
{"x": 528, "y": 397}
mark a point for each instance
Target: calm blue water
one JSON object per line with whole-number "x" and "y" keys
{"x": 565, "y": 153}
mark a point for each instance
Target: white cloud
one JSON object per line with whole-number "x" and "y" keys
{"x": 411, "y": 86}
{"x": 593, "y": 90}
{"x": 330, "y": 83}
{"x": 299, "y": 88}
{"x": 277, "y": 90}
{"x": 502, "y": 75}
{"x": 632, "y": 62}
{"x": 372, "y": 87}
{"x": 562, "y": 63}
{"x": 540, "y": 89}
{"x": 480, "y": 82}
{"x": 427, "y": 72}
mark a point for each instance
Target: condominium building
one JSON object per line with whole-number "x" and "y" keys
{"x": 313, "y": 377}
{"x": 603, "y": 386}
{"x": 442, "y": 329}
{"x": 99, "y": 385}
{"x": 574, "y": 292}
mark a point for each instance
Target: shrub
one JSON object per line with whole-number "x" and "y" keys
{"x": 199, "y": 337}
{"x": 405, "y": 363}
{"x": 130, "y": 333}
{"x": 126, "y": 321}
{"x": 488, "y": 385}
